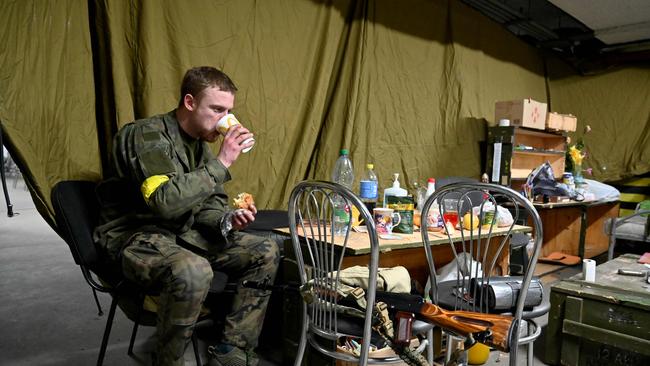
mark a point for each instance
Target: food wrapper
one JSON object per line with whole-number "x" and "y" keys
{"x": 404, "y": 207}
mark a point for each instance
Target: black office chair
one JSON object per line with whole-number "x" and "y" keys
{"x": 76, "y": 213}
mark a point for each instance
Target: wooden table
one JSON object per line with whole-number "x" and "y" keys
{"x": 407, "y": 251}
{"x": 576, "y": 228}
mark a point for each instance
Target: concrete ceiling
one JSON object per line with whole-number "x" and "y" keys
{"x": 613, "y": 21}
{"x": 592, "y": 35}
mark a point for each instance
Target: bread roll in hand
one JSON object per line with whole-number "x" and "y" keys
{"x": 244, "y": 201}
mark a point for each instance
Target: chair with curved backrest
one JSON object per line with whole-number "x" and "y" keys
{"x": 634, "y": 227}
{"x": 473, "y": 280}
{"x": 76, "y": 214}
{"x": 320, "y": 255}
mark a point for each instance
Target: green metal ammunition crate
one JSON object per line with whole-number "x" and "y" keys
{"x": 606, "y": 322}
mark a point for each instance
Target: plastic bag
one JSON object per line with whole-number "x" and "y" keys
{"x": 602, "y": 191}
{"x": 504, "y": 217}
{"x": 465, "y": 265}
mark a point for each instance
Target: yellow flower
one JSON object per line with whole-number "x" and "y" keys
{"x": 576, "y": 155}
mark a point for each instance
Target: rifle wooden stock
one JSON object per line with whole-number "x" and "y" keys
{"x": 491, "y": 329}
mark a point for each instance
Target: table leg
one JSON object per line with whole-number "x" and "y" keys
{"x": 583, "y": 231}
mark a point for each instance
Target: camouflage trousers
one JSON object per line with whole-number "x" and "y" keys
{"x": 157, "y": 261}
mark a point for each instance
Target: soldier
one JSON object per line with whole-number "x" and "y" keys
{"x": 165, "y": 219}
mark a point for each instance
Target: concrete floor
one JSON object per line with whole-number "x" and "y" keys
{"x": 47, "y": 313}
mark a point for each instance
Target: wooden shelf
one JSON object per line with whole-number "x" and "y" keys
{"x": 538, "y": 153}
{"x": 538, "y": 133}
{"x": 518, "y": 164}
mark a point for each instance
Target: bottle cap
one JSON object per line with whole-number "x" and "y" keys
{"x": 344, "y": 151}
{"x": 370, "y": 165}
{"x": 396, "y": 180}
{"x": 431, "y": 180}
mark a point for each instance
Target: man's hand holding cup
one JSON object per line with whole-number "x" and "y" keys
{"x": 237, "y": 139}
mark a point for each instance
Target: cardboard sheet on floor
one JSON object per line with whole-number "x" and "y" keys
{"x": 561, "y": 258}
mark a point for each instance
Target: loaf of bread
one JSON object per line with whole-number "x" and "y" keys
{"x": 244, "y": 200}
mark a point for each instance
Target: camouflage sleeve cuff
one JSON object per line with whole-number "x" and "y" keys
{"x": 217, "y": 171}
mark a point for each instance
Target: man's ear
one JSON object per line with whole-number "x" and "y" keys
{"x": 188, "y": 101}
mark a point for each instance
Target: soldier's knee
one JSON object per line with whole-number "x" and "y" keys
{"x": 194, "y": 271}
{"x": 272, "y": 252}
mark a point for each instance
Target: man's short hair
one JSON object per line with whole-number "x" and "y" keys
{"x": 198, "y": 79}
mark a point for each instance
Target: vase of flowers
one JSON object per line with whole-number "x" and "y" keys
{"x": 575, "y": 156}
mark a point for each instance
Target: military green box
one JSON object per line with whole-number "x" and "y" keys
{"x": 291, "y": 327}
{"x": 606, "y": 322}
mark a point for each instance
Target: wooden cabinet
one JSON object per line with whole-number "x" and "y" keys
{"x": 576, "y": 228}
{"x": 532, "y": 148}
{"x": 513, "y": 152}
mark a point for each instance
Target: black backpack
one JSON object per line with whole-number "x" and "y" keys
{"x": 542, "y": 181}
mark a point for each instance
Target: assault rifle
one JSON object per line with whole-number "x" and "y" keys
{"x": 491, "y": 329}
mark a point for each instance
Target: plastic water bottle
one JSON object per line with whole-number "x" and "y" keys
{"x": 434, "y": 218}
{"x": 431, "y": 187}
{"x": 368, "y": 188}
{"x": 343, "y": 174}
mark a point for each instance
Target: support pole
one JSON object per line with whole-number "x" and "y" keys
{"x": 10, "y": 207}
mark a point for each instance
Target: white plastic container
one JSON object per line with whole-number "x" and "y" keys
{"x": 395, "y": 190}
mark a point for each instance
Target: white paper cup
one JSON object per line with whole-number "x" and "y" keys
{"x": 228, "y": 121}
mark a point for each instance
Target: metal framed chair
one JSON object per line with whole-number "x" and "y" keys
{"x": 320, "y": 255}
{"x": 634, "y": 227}
{"x": 76, "y": 214}
{"x": 475, "y": 284}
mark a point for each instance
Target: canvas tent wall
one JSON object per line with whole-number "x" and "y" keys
{"x": 407, "y": 85}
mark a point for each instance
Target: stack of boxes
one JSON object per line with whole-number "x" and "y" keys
{"x": 533, "y": 114}
{"x": 533, "y": 136}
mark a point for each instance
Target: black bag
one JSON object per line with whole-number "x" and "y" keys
{"x": 542, "y": 181}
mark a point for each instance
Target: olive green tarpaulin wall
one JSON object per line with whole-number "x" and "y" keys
{"x": 616, "y": 105}
{"x": 407, "y": 85}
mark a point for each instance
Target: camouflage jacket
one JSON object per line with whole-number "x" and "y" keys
{"x": 189, "y": 205}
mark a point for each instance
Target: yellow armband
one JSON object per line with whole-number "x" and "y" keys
{"x": 150, "y": 185}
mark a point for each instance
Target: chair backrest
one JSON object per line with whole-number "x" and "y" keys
{"x": 312, "y": 204}
{"x": 76, "y": 212}
{"x": 467, "y": 286}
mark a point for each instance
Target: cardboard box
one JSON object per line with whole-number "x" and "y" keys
{"x": 561, "y": 122}
{"x": 523, "y": 112}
